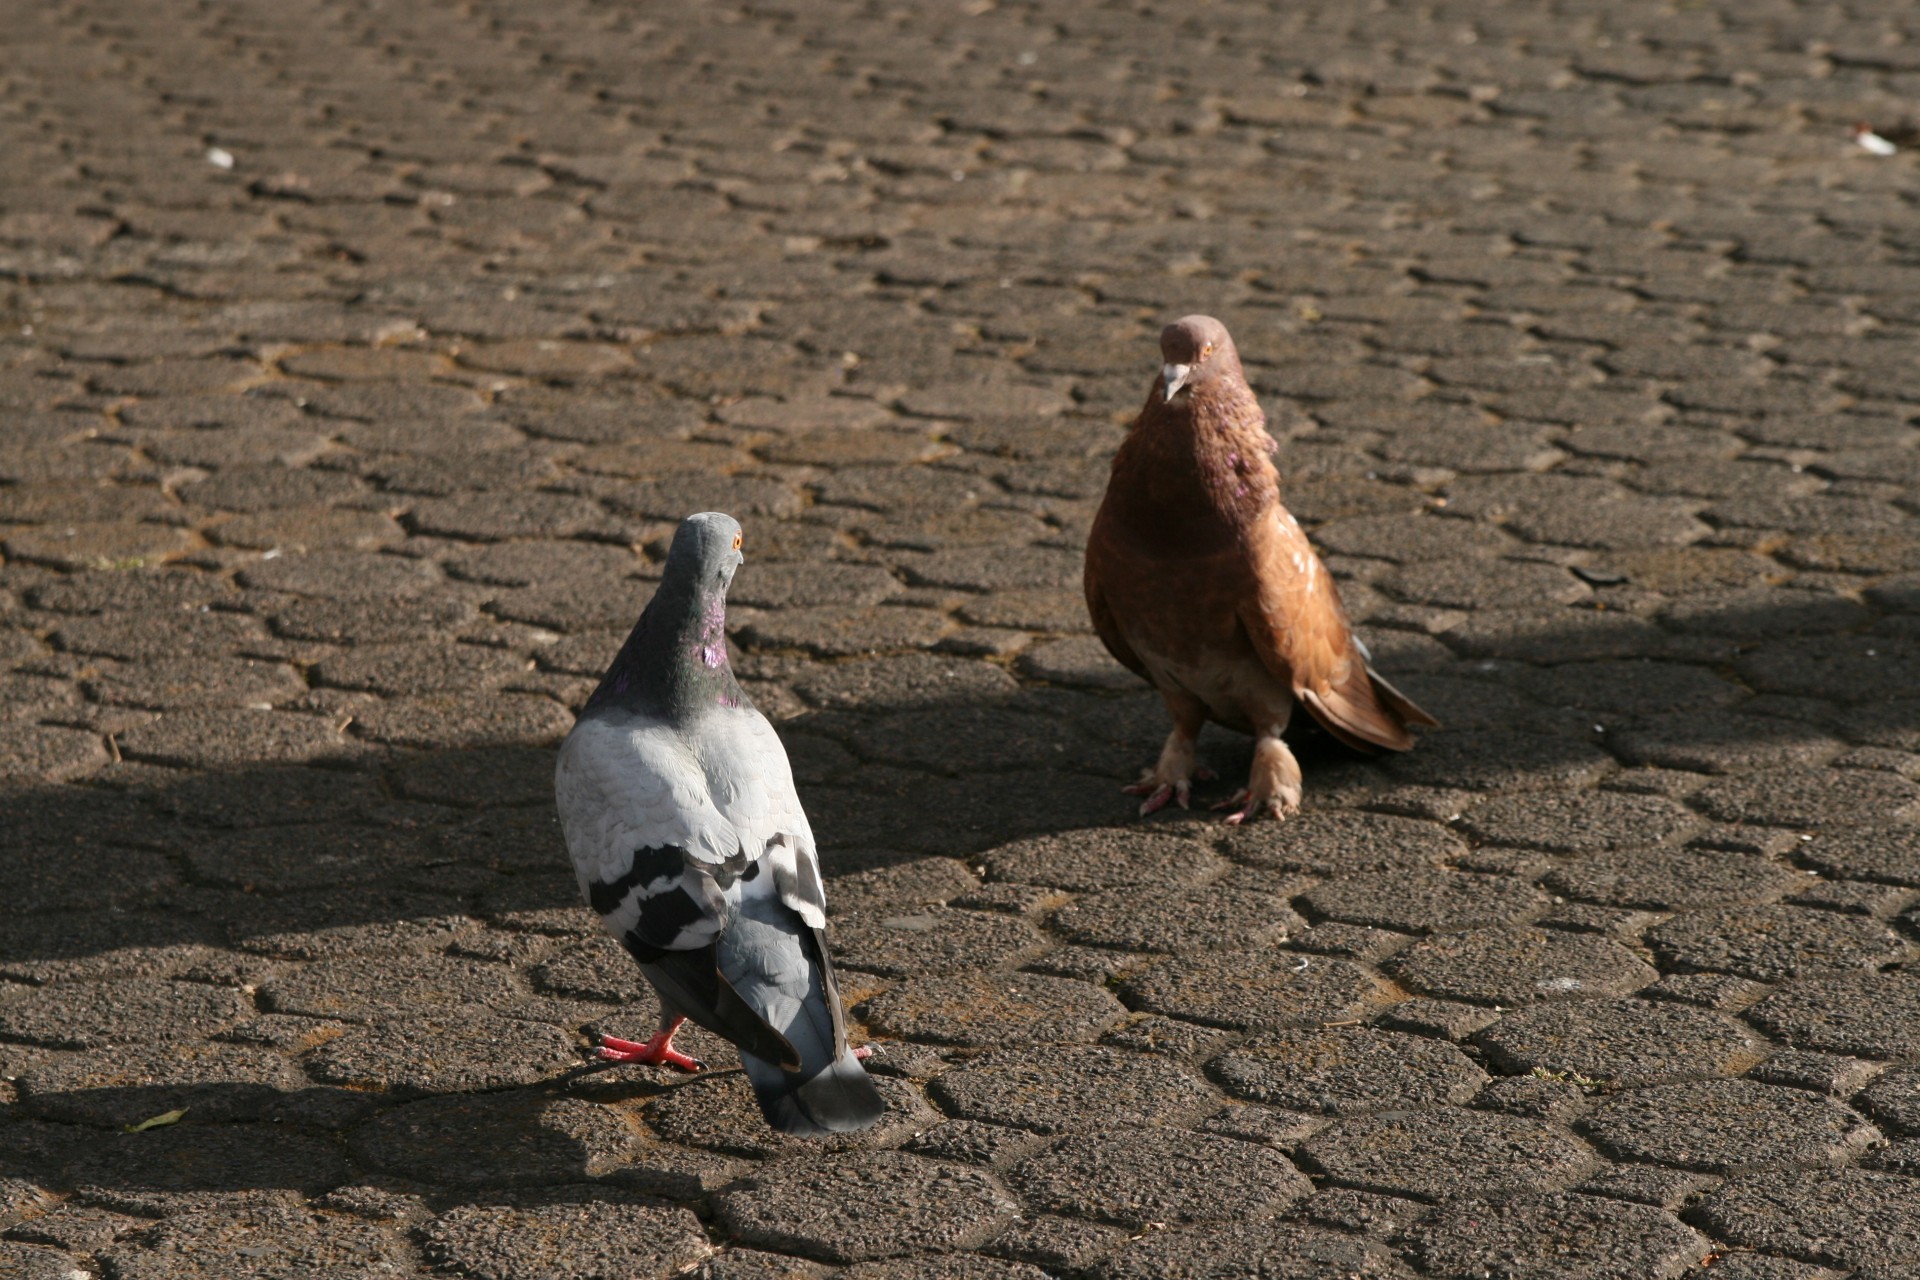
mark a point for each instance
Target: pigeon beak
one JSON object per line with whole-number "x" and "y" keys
{"x": 1175, "y": 376}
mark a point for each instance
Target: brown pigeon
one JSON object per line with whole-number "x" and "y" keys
{"x": 1199, "y": 580}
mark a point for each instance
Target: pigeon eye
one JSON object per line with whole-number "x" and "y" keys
{"x": 1206, "y": 351}
{"x": 736, "y": 542}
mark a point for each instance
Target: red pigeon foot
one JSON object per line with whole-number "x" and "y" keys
{"x": 657, "y": 1052}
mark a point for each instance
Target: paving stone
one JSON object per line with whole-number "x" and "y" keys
{"x": 1893, "y": 1100}
{"x": 1061, "y": 1243}
{"x": 960, "y": 1266}
{"x": 601, "y": 1233}
{"x": 1079, "y": 662}
{"x": 1862, "y": 1014}
{"x": 1552, "y": 1234}
{"x": 1772, "y": 943}
{"x": 229, "y": 738}
{"x": 905, "y": 680}
{"x": 281, "y": 1241}
{"x": 1723, "y": 743}
{"x": 1825, "y": 1073}
{"x": 341, "y": 575}
{"x": 1507, "y": 761}
{"x": 968, "y": 739}
{"x": 1342, "y": 841}
{"x": 1246, "y": 989}
{"x": 1136, "y": 1176}
{"x": 1346, "y": 1071}
{"x": 132, "y": 1083}
{"x": 1105, "y": 858}
{"x": 1068, "y": 1089}
{"x": 1721, "y": 991}
{"x": 1622, "y": 1042}
{"x": 1644, "y": 1184}
{"x": 1726, "y": 1126}
{"x": 1175, "y": 920}
{"x": 1447, "y": 1019}
{"x": 378, "y": 988}
{"x": 834, "y": 631}
{"x": 1578, "y": 822}
{"x": 717, "y": 1112}
{"x": 1518, "y": 966}
{"x": 885, "y": 1206}
{"x": 1283, "y": 1251}
{"x": 1425, "y": 900}
{"x": 972, "y": 1142}
{"x": 1673, "y": 879}
{"x": 934, "y": 941}
{"x": 30, "y": 1262}
{"x": 1845, "y": 1217}
{"x": 515, "y": 1138}
{"x": 1170, "y": 1036}
{"x": 186, "y": 1158}
{"x": 1816, "y": 798}
{"x": 1889, "y": 853}
{"x": 992, "y": 1009}
{"x": 99, "y": 1015}
{"x": 444, "y": 1055}
{"x": 1444, "y": 1154}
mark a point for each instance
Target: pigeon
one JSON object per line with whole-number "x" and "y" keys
{"x": 1199, "y": 580}
{"x": 689, "y": 841}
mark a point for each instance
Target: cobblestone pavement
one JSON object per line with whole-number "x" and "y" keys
{"x": 355, "y": 359}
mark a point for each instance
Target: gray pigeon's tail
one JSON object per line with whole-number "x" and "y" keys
{"x": 779, "y": 967}
{"x": 837, "y": 1099}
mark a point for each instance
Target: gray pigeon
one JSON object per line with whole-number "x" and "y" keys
{"x": 680, "y": 813}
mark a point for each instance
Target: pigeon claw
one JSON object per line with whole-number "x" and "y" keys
{"x": 864, "y": 1052}
{"x": 1249, "y": 809}
{"x": 1158, "y": 796}
{"x": 657, "y": 1052}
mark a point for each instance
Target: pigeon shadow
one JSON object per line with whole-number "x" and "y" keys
{"x": 142, "y": 864}
{"x": 167, "y": 882}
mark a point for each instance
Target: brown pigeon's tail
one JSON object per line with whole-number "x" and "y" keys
{"x": 1399, "y": 704}
{"x": 1366, "y": 715}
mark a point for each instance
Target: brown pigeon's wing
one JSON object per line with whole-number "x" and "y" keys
{"x": 1105, "y": 625}
{"x": 1301, "y": 633}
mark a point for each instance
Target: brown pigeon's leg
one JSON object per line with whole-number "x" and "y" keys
{"x": 1273, "y": 784}
{"x": 1172, "y": 778}
{"x": 657, "y": 1052}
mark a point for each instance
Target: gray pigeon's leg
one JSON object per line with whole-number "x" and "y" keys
{"x": 657, "y": 1052}
{"x": 1172, "y": 777}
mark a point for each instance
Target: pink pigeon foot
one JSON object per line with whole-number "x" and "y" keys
{"x": 657, "y": 1052}
{"x": 864, "y": 1052}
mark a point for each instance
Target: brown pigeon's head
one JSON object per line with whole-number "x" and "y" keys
{"x": 1197, "y": 349}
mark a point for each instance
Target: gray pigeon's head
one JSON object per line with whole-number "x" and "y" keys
{"x": 1196, "y": 350}
{"x": 674, "y": 664}
{"x": 705, "y": 552}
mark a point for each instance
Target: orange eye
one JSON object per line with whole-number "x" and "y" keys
{"x": 736, "y": 542}
{"x": 1206, "y": 351}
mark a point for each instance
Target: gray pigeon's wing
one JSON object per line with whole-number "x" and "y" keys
{"x": 644, "y": 835}
{"x": 753, "y": 786}
{"x": 624, "y": 782}
{"x": 634, "y": 806}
